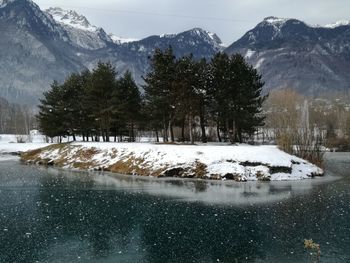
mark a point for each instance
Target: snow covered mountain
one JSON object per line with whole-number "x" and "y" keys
{"x": 290, "y": 53}
{"x": 37, "y": 47}
{"x": 80, "y": 32}
{"x": 196, "y": 41}
{"x": 34, "y": 50}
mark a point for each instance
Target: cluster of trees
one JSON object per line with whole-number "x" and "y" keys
{"x": 16, "y": 118}
{"x": 183, "y": 93}
{"x": 91, "y": 104}
{"x": 224, "y": 93}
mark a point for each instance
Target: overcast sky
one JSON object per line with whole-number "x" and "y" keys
{"x": 229, "y": 19}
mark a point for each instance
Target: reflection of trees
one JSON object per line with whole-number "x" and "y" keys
{"x": 100, "y": 220}
{"x": 201, "y": 186}
{"x": 71, "y": 209}
{"x": 170, "y": 231}
{"x": 195, "y": 233}
{"x": 197, "y": 185}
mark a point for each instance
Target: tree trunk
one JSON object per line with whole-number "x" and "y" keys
{"x": 218, "y": 131}
{"x": 183, "y": 130}
{"x": 239, "y": 134}
{"x": 157, "y": 135}
{"x": 227, "y": 130}
{"x": 234, "y": 131}
{"x": 191, "y": 129}
{"x": 204, "y": 136}
{"x": 165, "y": 130}
{"x": 107, "y": 134}
{"x": 103, "y": 136}
{"x": 131, "y": 132}
{"x": 172, "y": 138}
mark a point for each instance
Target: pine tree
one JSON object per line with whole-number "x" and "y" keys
{"x": 160, "y": 90}
{"x": 51, "y": 115}
{"x": 235, "y": 88}
{"x": 219, "y": 91}
{"x": 78, "y": 114}
{"x": 248, "y": 103}
{"x": 202, "y": 94}
{"x": 191, "y": 93}
{"x": 130, "y": 102}
{"x": 99, "y": 96}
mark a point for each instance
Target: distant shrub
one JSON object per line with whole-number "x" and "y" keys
{"x": 339, "y": 144}
{"x": 23, "y": 138}
{"x": 303, "y": 145}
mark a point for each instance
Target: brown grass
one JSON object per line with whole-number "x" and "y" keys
{"x": 130, "y": 165}
{"x": 86, "y": 154}
{"x": 33, "y": 156}
{"x": 30, "y": 155}
{"x": 200, "y": 170}
{"x": 83, "y": 165}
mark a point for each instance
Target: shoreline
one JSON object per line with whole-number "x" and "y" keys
{"x": 211, "y": 162}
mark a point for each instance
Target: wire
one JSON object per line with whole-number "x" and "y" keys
{"x": 157, "y": 14}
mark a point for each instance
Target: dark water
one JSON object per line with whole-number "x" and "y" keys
{"x": 47, "y": 215}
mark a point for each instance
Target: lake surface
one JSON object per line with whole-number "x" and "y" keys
{"x": 50, "y": 215}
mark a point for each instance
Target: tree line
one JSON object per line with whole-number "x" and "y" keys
{"x": 16, "y": 118}
{"x": 180, "y": 99}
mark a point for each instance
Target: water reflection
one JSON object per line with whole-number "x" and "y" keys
{"x": 212, "y": 192}
{"x": 51, "y": 215}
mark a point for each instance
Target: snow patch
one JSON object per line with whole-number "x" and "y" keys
{"x": 121, "y": 40}
{"x": 259, "y": 63}
{"x": 71, "y": 18}
{"x": 249, "y": 53}
{"x": 275, "y": 20}
{"x": 338, "y": 24}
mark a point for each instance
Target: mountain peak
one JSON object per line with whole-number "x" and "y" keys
{"x": 209, "y": 36}
{"x": 275, "y": 20}
{"x": 71, "y": 18}
{"x": 338, "y": 24}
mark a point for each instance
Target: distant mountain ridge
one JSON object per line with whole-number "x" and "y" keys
{"x": 290, "y": 53}
{"x": 38, "y": 47}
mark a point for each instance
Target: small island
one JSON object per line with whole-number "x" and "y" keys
{"x": 218, "y": 162}
{"x": 201, "y": 119}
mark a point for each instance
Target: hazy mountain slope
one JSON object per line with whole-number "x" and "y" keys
{"x": 34, "y": 50}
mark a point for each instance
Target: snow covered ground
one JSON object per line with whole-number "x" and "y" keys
{"x": 240, "y": 163}
{"x": 8, "y": 143}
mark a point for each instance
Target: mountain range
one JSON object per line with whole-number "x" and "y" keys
{"x": 37, "y": 47}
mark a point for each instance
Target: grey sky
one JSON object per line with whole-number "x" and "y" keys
{"x": 230, "y": 19}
